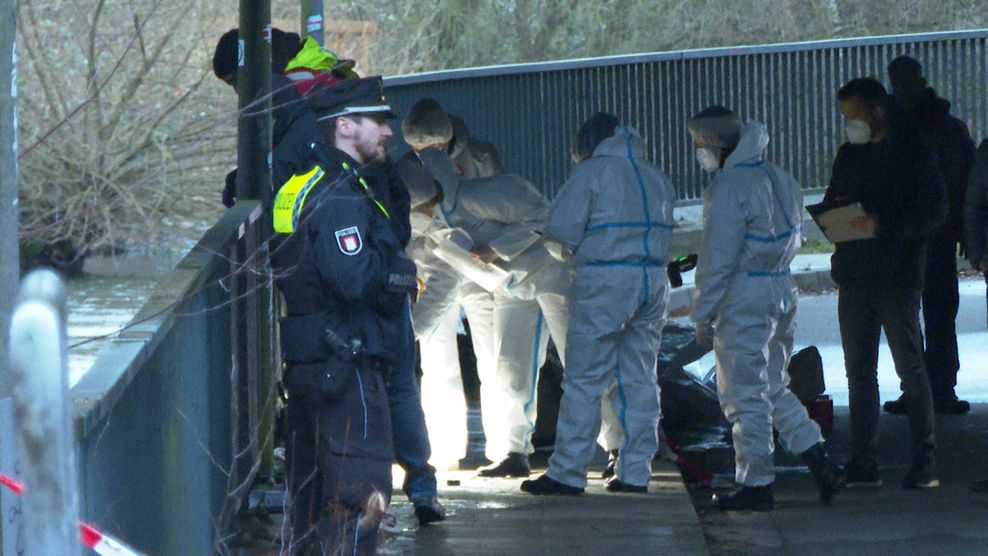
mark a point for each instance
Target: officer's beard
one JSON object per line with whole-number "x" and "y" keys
{"x": 369, "y": 152}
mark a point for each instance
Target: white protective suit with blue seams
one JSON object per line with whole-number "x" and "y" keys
{"x": 507, "y": 213}
{"x": 752, "y": 213}
{"x": 614, "y": 215}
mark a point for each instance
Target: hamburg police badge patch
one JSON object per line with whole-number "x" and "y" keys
{"x": 348, "y": 239}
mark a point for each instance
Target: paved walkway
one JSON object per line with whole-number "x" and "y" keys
{"x": 492, "y": 517}
{"x": 889, "y": 520}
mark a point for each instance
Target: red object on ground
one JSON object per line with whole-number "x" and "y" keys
{"x": 693, "y": 471}
{"x": 821, "y": 410}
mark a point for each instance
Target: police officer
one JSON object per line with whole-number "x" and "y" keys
{"x": 339, "y": 265}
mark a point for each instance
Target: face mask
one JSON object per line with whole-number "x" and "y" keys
{"x": 858, "y": 132}
{"x": 708, "y": 159}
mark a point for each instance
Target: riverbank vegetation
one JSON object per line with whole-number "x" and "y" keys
{"x": 125, "y": 136}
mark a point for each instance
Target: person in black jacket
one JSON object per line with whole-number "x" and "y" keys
{"x": 340, "y": 266}
{"x": 294, "y": 134}
{"x": 976, "y": 212}
{"x": 898, "y": 184}
{"x": 918, "y": 110}
{"x": 976, "y": 223}
{"x": 297, "y": 140}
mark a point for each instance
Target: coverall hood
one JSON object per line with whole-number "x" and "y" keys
{"x": 617, "y": 144}
{"x": 751, "y": 146}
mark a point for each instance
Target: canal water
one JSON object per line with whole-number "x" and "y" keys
{"x": 99, "y": 306}
{"x": 106, "y": 297}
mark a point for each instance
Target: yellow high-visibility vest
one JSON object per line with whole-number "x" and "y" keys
{"x": 290, "y": 199}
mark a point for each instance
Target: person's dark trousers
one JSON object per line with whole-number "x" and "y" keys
{"x": 338, "y": 454}
{"x": 303, "y": 475}
{"x": 862, "y": 314}
{"x": 940, "y": 303}
{"x": 411, "y": 438}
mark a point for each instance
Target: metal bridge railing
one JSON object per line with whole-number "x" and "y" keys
{"x": 531, "y": 111}
{"x": 174, "y": 419}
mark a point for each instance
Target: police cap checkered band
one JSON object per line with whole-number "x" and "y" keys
{"x": 350, "y": 96}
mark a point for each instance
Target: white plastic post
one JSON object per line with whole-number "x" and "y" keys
{"x": 39, "y": 377}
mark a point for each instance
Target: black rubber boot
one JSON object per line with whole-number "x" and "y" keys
{"x": 829, "y": 476}
{"x": 756, "y": 499}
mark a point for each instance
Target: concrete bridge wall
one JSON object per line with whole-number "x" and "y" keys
{"x": 155, "y": 416}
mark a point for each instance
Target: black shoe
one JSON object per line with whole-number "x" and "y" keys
{"x": 428, "y": 510}
{"x": 515, "y": 465}
{"x": 979, "y": 486}
{"x": 756, "y": 499}
{"x": 862, "y": 473}
{"x": 829, "y": 477}
{"x": 608, "y": 471}
{"x": 471, "y": 463}
{"x": 615, "y": 485}
{"x": 922, "y": 474}
{"x": 948, "y": 404}
{"x": 545, "y": 485}
{"x": 896, "y": 407}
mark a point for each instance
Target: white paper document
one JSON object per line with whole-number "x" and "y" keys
{"x": 835, "y": 223}
{"x": 454, "y": 249}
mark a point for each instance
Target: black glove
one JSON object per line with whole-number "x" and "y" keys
{"x": 230, "y": 189}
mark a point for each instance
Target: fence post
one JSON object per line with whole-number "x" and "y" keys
{"x": 10, "y": 523}
{"x": 39, "y": 377}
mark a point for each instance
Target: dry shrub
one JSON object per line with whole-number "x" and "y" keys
{"x": 120, "y": 120}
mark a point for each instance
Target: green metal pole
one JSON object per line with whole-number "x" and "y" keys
{"x": 11, "y": 524}
{"x": 312, "y": 21}
{"x": 254, "y": 182}
{"x": 254, "y": 90}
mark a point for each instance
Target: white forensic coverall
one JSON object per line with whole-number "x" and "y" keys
{"x": 507, "y": 213}
{"x": 436, "y": 319}
{"x": 752, "y": 214}
{"x": 615, "y": 215}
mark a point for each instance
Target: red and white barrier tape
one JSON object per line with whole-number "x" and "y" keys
{"x": 103, "y": 544}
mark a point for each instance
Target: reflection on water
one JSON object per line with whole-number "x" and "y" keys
{"x": 100, "y": 305}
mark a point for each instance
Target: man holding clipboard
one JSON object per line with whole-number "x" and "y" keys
{"x": 886, "y": 195}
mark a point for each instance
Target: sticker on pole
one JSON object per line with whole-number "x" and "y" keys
{"x": 313, "y": 23}
{"x": 348, "y": 239}
{"x": 240, "y": 53}
{"x": 266, "y": 33}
